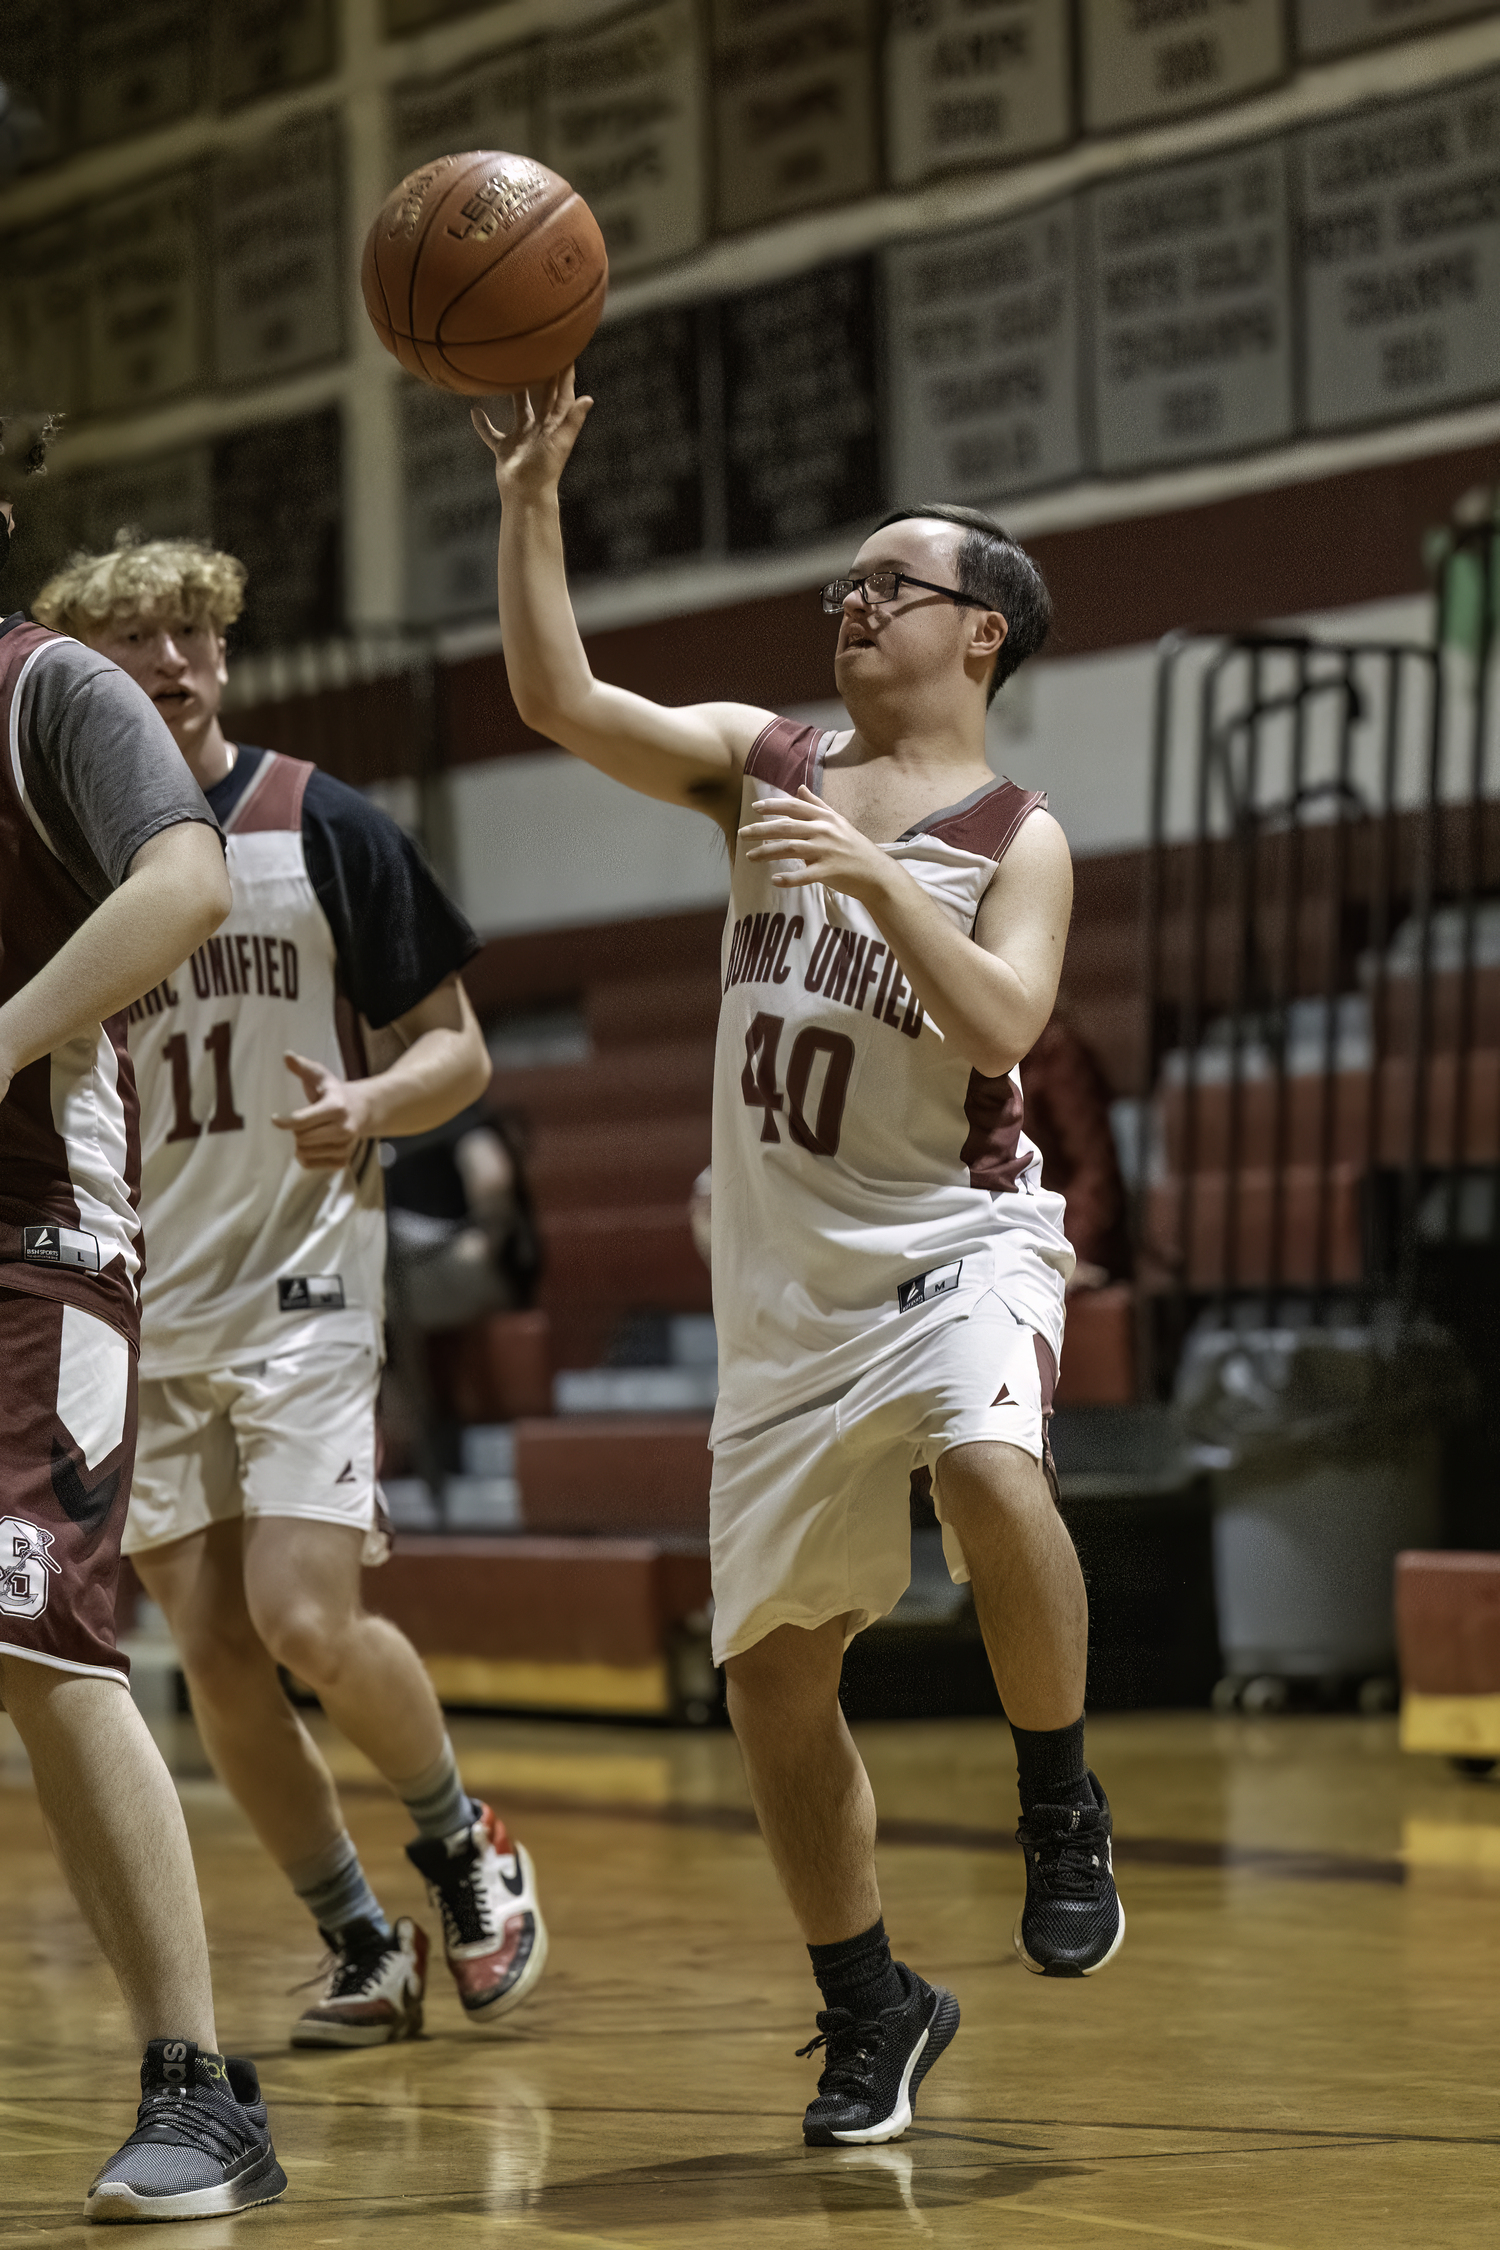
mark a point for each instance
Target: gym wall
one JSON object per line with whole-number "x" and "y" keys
{"x": 1208, "y": 314}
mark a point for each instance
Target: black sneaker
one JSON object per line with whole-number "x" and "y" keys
{"x": 1072, "y": 1921}
{"x": 201, "y": 2145}
{"x": 872, "y": 2070}
{"x": 372, "y": 1988}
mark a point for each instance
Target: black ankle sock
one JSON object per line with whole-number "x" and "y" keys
{"x": 1050, "y": 1766}
{"x": 859, "y": 1974}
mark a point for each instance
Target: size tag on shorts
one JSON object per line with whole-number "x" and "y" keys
{"x": 923, "y": 1287}
{"x": 311, "y": 1292}
{"x": 60, "y": 1246}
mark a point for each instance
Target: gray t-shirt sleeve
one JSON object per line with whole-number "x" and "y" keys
{"x": 99, "y": 765}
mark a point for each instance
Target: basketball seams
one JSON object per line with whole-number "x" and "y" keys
{"x": 534, "y": 219}
{"x": 414, "y": 262}
{"x": 540, "y": 247}
{"x": 533, "y": 338}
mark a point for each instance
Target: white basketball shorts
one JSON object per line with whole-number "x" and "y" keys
{"x": 810, "y": 1515}
{"x": 286, "y": 1436}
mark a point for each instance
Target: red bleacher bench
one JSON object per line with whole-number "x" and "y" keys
{"x": 1319, "y": 1217}
{"x": 496, "y": 1369}
{"x": 1448, "y": 1638}
{"x": 615, "y": 1473}
{"x": 630, "y": 1258}
{"x": 1098, "y": 1361}
{"x": 546, "y": 1624}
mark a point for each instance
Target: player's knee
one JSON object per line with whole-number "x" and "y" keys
{"x": 998, "y": 1479}
{"x": 217, "y": 1653}
{"x": 307, "y": 1640}
{"x": 789, "y": 1671}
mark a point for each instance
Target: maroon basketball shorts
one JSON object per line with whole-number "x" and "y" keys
{"x": 67, "y": 1448}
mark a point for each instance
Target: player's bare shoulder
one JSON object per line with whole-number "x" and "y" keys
{"x": 1032, "y": 888}
{"x": 718, "y": 791}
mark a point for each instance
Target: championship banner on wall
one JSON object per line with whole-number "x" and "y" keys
{"x": 490, "y": 102}
{"x": 983, "y": 355}
{"x": 145, "y": 327}
{"x": 802, "y": 435}
{"x": 1332, "y": 27}
{"x": 1401, "y": 257}
{"x": 169, "y": 496}
{"x": 1142, "y": 62}
{"x": 795, "y": 107}
{"x": 967, "y": 89}
{"x": 625, "y": 126}
{"x": 1192, "y": 310}
{"x": 135, "y": 64}
{"x": 259, "y": 51}
{"x": 635, "y": 489}
{"x": 278, "y": 498}
{"x": 278, "y": 272}
{"x": 452, "y": 510}
{"x": 44, "y": 316}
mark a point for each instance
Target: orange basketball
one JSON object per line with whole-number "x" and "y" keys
{"x": 483, "y": 273}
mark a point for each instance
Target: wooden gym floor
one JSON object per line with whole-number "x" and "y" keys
{"x": 1299, "y": 2046}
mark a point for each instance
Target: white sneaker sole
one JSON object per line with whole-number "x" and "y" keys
{"x": 1040, "y": 1968}
{"x": 944, "y": 2020}
{"x": 115, "y": 2204}
{"x": 493, "y": 2010}
{"x": 313, "y": 2032}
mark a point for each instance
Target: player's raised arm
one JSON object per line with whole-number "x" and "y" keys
{"x": 692, "y": 756}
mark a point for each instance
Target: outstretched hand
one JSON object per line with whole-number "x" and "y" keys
{"x": 545, "y": 421}
{"x": 831, "y": 848}
{"x": 335, "y": 1120}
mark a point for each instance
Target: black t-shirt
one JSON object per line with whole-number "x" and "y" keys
{"x": 396, "y": 933}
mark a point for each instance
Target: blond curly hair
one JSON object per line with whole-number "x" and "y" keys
{"x": 170, "y": 579}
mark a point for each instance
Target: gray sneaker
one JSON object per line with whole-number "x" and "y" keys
{"x": 201, "y": 2146}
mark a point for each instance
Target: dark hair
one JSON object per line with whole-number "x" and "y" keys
{"x": 992, "y": 568}
{"x": 41, "y": 429}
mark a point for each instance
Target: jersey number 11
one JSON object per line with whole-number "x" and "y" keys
{"x": 226, "y": 1118}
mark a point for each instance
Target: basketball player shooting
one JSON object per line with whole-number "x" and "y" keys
{"x": 111, "y": 869}
{"x": 888, "y": 1268}
{"x": 264, "y": 1092}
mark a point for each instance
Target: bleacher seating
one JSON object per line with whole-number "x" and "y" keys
{"x": 1448, "y": 1635}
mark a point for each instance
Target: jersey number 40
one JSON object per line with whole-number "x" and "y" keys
{"x": 759, "y": 1087}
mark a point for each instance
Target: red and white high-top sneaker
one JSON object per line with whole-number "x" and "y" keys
{"x": 484, "y": 1887}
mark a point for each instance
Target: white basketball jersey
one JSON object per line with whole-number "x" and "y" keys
{"x": 247, "y": 1253}
{"x": 867, "y": 1183}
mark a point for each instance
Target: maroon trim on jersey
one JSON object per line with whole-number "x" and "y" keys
{"x": 785, "y": 754}
{"x": 41, "y": 906}
{"x": 991, "y": 826}
{"x": 993, "y": 1107}
{"x": 61, "y": 1553}
{"x": 1046, "y": 1372}
{"x": 274, "y": 797}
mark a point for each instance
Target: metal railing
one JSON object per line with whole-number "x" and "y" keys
{"x": 1322, "y": 965}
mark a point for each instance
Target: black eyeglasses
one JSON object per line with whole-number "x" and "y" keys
{"x": 883, "y": 586}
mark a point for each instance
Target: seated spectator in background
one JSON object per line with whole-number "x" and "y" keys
{"x": 1067, "y": 1115}
{"x": 462, "y": 1242}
